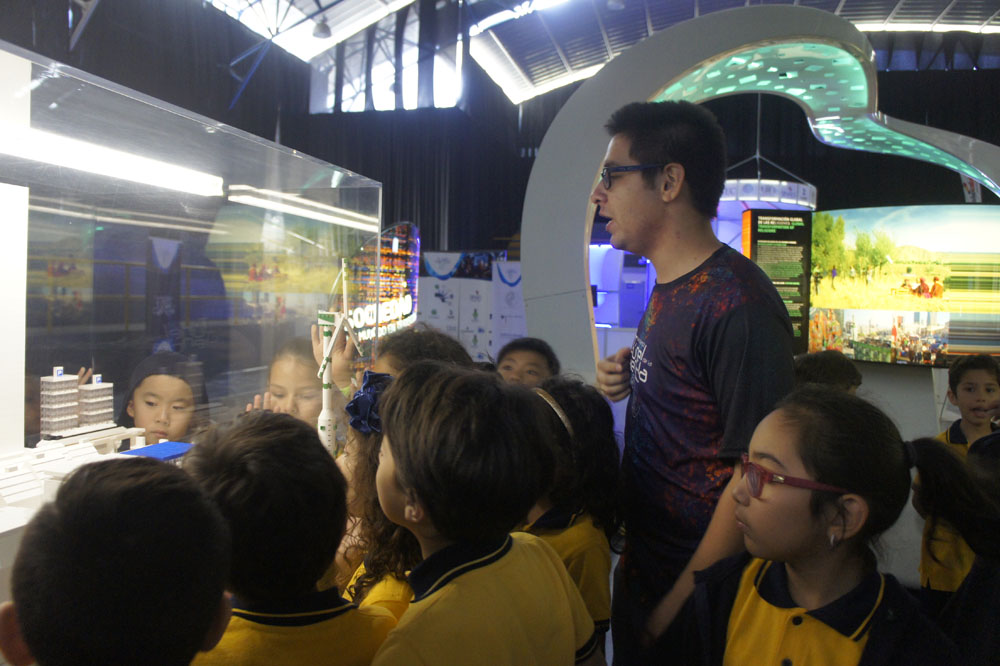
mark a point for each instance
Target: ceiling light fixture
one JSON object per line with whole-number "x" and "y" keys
{"x": 322, "y": 30}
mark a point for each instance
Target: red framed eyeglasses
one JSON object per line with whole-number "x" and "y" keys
{"x": 757, "y": 477}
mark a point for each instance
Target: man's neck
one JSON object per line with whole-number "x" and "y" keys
{"x": 685, "y": 244}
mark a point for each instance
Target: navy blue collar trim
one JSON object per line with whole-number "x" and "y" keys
{"x": 987, "y": 446}
{"x": 955, "y": 434}
{"x": 298, "y": 612}
{"x": 553, "y": 519}
{"x": 451, "y": 562}
{"x": 849, "y": 615}
{"x": 588, "y": 648}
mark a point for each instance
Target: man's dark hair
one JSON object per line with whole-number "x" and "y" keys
{"x": 536, "y": 345}
{"x": 421, "y": 342}
{"x": 126, "y": 566}
{"x": 829, "y": 367}
{"x": 681, "y": 132}
{"x": 964, "y": 364}
{"x": 284, "y": 499}
{"x": 472, "y": 448}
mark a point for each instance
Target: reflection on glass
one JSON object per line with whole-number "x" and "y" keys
{"x": 123, "y": 265}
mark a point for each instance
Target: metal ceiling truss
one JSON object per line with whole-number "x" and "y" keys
{"x": 87, "y": 8}
{"x": 262, "y": 47}
{"x": 387, "y": 42}
{"x": 551, "y": 47}
{"x": 604, "y": 32}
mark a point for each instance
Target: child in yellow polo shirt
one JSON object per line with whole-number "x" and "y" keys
{"x": 386, "y": 551}
{"x": 284, "y": 499}
{"x": 972, "y": 615}
{"x": 826, "y": 473}
{"x": 464, "y": 456}
{"x": 945, "y": 557}
{"x": 390, "y": 551}
{"x": 127, "y": 565}
{"x": 579, "y": 515}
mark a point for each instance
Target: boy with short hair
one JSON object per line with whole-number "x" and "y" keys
{"x": 945, "y": 558}
{"x": 973, "y": 387}
{"x": 463, "y": 459}
{"x": 285, "y": 501}
{"x": 527, "y": 361}
{"x": 829, "y": 367}
{"x": 127, "y": 565}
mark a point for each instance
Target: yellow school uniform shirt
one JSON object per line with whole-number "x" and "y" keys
{"x": 321, "y": 628}
{"x": 952, "y": 558}
{"x": 767, "y": 627}
{"x": 390, "y": 593}
{"x": 505, "y": 604}
{"x": 585, "y": 551}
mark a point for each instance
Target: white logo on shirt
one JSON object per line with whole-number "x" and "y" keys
{"x": 635, "y": 365}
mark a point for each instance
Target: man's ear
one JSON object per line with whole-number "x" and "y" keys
{"x": 219, "y": 623}
{"x": 673, "y": 180}
{"x": 12, "y": 644}
{"x": 851, "y": 516}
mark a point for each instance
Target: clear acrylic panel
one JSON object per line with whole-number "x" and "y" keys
{"x": 151, "y": 229}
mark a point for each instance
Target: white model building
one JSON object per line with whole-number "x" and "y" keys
{"x": 59, "y": 402}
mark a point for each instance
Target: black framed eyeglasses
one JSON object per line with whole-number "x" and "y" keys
{"x": 757, "y": 477}
{"x": 608, "y": 170}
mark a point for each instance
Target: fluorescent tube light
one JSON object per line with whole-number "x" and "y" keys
{"x": 304, "y": 239}
{"x": 302, "y": 207}
{"x": 40, "y": 146}
{"x": 882, "y": 26}
{"x": 112, "y": 219}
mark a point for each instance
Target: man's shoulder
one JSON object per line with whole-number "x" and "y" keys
{"x": 735, "y": 267}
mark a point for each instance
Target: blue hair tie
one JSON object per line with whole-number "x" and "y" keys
{"x": 363, "y": 407}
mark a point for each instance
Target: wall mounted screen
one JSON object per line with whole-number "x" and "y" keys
{"x": 909, "y": 284}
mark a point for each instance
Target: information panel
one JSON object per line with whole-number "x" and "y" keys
{"x": 780, "y": 242}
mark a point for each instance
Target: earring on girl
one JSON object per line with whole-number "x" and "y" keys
{"x": 833, "y": 541}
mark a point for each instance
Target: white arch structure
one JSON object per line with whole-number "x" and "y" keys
{"x": 818, "y": 60}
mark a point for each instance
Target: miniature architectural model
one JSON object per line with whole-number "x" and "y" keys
{"x": 59, "y": 402}
{"x": 67, "y": 406}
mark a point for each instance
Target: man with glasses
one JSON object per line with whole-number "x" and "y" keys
{"x": 712, "y": 355}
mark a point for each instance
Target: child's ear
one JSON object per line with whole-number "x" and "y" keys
{"x": 130, "y": 408}
{"x": 413, "y": 511}
{"x": 851, "y": 515}
{"x": 951, "y": 398}
{"x": 219, "y": 623}
{"x": 12, "y": 644}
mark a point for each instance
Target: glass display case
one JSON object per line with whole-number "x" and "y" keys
{"x": 134, "y": 228}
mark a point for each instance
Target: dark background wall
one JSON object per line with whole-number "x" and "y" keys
{"x": 177, "y": 50}
{"x": 460, "y": 174}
